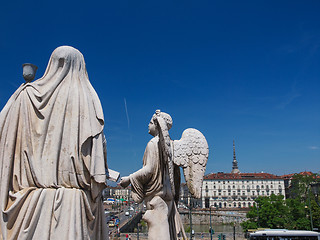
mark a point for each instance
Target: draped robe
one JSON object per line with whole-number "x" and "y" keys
{"x": 52, "y": 162}
{"x": 151, "y": 183}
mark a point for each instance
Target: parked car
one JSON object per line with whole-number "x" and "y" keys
{"x": 127, "y": 213}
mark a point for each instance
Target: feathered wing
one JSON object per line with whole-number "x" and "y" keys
{"x": 191, "y": 153}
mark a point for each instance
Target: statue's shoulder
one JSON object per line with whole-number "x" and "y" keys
{"x": 154, "y": 141}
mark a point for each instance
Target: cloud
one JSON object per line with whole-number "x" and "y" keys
{"x": 314, "y": 147}
{"x": 127, "y": 114}
{"x": 289, "y": 97}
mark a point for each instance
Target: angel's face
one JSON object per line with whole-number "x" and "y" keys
{"x": 152, "y": 128}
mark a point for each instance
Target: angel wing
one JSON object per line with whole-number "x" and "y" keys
{"x": 191, "y": 153}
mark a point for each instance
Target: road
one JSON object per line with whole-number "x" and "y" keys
{"x": 123, "y": 218}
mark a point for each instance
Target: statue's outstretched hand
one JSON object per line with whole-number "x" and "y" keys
{"x": 124, "y": 182}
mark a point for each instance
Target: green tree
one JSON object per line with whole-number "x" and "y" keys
{"x": 301, "y": 195}
{"x": 300, "y": 186}
{"x": 297, "y": 212}
{"x": 268, "y": 212}
{"x": 292, "y": 213}
{"x": 315, "y": 214}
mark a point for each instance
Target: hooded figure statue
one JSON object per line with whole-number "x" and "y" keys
{"x": 52, "y": 159}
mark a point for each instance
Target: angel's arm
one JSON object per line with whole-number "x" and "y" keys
{"x": 144, "y": 174}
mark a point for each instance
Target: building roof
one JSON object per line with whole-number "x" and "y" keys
{"x": 242, "y": 176}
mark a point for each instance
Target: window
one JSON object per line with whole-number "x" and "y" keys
{"x": 206, "y": 203}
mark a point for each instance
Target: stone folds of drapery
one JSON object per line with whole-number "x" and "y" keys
{"x": 52, "y": 165}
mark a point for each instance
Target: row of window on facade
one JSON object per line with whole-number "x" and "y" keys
{"x": 225, "y": 205}
{"x": 254, "y": 182}
{"x": 253, "y": 193}
{"x": 243, "y": 187}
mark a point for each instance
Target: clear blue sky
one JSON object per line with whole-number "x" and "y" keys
{"x": 243, "y": 70}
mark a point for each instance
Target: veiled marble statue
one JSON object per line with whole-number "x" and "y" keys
{"x": 158, "y": 181}
{"x": 53, "y": 156}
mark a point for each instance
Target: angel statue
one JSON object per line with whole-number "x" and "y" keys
{"x": 158, "y": 181}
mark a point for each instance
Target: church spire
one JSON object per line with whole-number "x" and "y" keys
{"x": 234, "y": 162}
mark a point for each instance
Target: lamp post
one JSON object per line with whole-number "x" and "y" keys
{"x": 258, "y": 214}
{"x": 315, "y": 188}
{"x": 211, "y": 230}
{"x": 311, "y": 221}
{"x": 190, "y": 212}
{"x": 210, "y": 225}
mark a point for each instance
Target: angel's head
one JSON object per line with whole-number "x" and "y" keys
{"x": 153, "y": 129}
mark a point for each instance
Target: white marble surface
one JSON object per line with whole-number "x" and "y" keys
{"x": 52, "y": 159}
{"x": 158, "y": 181}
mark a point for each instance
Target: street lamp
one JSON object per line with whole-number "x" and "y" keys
{"x": 315, "y": 188}
{"x": 310, "y": 210}
{"x": 138, "y": 226}
{"x": 211, "y": 230}
{"x": 190, "y": 212}
{"x": 258, "y": 214}
{"x": 210, "y": 225}
{"x": 190, "y": 206}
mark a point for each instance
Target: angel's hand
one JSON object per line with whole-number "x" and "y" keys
{"x": 124, "y": 182}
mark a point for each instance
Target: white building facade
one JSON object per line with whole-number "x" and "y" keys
{"x": 239, "y": 190}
